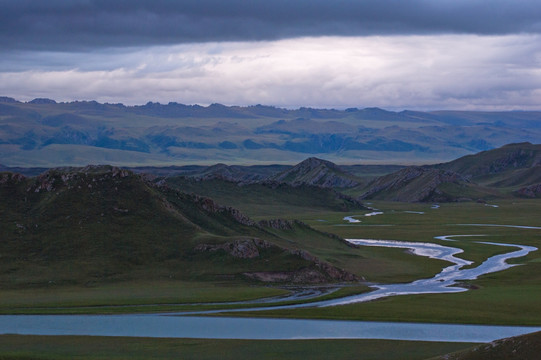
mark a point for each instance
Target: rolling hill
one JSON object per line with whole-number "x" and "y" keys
{"x": 317, "y": 172}
{"x": 102, "y": 223}
{"x": 266, "y": 199}
{"x": 513, "y": 169}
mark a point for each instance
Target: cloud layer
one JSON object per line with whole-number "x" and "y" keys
{"x": 89, "y": 24}
{"x": 422, "y": 54}
{"x": 394, "y": 72}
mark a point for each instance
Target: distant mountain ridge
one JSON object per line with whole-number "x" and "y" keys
{"x": 46, "y": 133}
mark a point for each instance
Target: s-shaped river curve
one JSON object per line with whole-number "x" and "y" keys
{"x": 445, "y": 281}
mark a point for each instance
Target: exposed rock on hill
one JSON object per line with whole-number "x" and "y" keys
{"x": 277, "y": 224}
{"x": 415, "y": 184}
{"x": 318, "y": 172}
{"x": 11, "y": 179}
{"x": 532, "y": 191}
{"x": 315, "y": 271}
{"x": 242, "y": 249}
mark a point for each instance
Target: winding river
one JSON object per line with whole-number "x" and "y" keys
{"x": 189, "y": 326}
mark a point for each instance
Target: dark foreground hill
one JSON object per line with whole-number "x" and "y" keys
{"x": 93, "y": 224}
{"x": 511, "y": 170}
{"x": 525, "y": 347}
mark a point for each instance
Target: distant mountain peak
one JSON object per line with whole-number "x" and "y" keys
{"x": 6, "y": 99}
{"x": 313, "y": 162}
{"x": 42, "y": 101}
{"x": 318, "y": 172}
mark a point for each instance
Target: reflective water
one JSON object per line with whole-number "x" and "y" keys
{"x": 445, "y": 281}
{"x": 245, "y": 328}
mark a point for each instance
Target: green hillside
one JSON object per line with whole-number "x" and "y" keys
{"x": 512, "y": 170}
{"x": 100, "y": 224}
{"x": 525, "y": 347}
{"x": 267, "y": 199}
{"x": 501, "y": 162}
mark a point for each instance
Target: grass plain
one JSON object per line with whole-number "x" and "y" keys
{"x": 13, "y": 347}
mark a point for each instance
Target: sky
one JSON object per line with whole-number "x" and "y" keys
{"x": 393, "y": 54}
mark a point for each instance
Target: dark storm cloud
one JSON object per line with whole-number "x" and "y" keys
{"x": 87, "y": 24}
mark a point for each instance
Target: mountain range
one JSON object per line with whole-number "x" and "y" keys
{"x": 44, "y": 133}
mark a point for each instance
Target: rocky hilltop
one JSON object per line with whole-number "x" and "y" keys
{"x": 318, "y": 172}
{"x": 532, "y": 191}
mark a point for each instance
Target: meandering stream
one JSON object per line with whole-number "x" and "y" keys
{"x": 166, "y": 325}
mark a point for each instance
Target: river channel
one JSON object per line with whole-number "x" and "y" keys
{"x": 185, "y": 325}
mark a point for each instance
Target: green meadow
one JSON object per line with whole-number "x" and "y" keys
{"x": 13, "y": 347}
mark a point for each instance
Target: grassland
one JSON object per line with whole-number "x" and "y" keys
{"x": 14, "y": 347}
{"x": 508, "y": 297}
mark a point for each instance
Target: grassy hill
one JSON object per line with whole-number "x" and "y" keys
{"x": 267, "y": 199}
{"x": 101, "y": 223}
{"x": 498, "y": 163}
{"x": 418, "y": 184}
{"x": 514, "y": 169}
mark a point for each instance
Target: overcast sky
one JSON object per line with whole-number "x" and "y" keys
{"x": 395, "y": 54}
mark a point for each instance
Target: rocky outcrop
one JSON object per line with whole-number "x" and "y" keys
{"x": 241, "y": 249}
{"x": 210, "y": 206}
{"x": 532, "y": 191}
{"x": 11, "y": 178}
{"x": 277, "y": 224}
{"x": 317, "y": 272}
{"x": 309, "y": 275}
{"x": 327, "y": 269}
{"x": 318, "y": 172}
{"x": 304, "y": 276}
{"x": 87, "y": 176}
